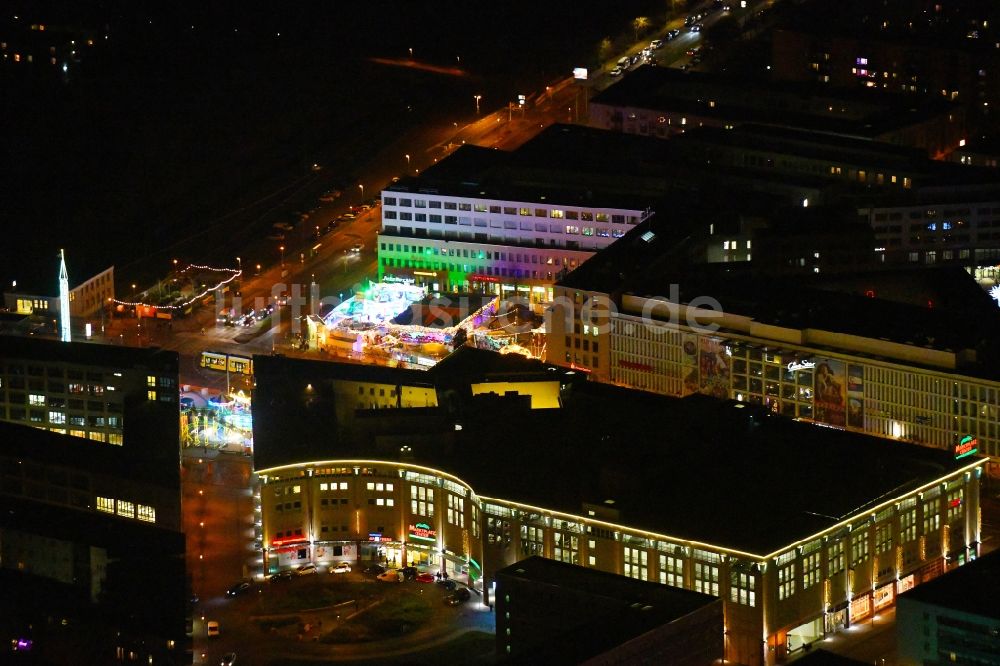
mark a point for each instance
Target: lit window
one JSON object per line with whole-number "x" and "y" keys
{"x": 151, "y": 395}
{"x": 343, "y": 485}
{"x": 35, "y": 399}
{"x": 126, "y": 509}
{"x": 150, "y": 380}
{"x": 147, "y": 513}
{"x": 106, "y": 504}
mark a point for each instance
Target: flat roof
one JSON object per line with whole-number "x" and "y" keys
{"x": 666, "y": 464}
{"x": 619, "y": 608}
{"x": 564, "y": 165}
{"x": 46, "y": 350}
{"x": 669, "y": 603}
{"x": 971, "y": 588}
{"x": 133, "y": 461}
{"x": 945, "y": 309}
{"x": 874, "y": 112}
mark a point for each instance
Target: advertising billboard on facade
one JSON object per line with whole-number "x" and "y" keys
{"x": 713, "y": 365}
{"x": 830, "y": 392}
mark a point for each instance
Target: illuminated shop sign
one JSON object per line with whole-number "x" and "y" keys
{"x": 632, "y": 365}
{"x": 476, "y": 277}
{"x": 376, "y": 537}
{"x": 423, "y": 532}
{"x": 795, "y": 366}
{"x": 288, "y": 542}
{"x": 968, "y": 446}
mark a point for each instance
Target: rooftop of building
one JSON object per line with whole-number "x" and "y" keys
{"x": 906, "y": 23}
{"x": 620, "y": 608}
{"x": 868, "y": 113}
{"x": 669, "y": 603}
{"x": 916, "y": 306}
{"x": 564, "y": 165}
{"x": 86, "y": 353}
{"x": 901, "y": 161}
{"x": 140, "y": 463}
{"x": 968, "y": 589}
{"x": 663, "y": 464}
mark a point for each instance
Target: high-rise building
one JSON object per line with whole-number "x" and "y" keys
{"x": 90, "y": 526}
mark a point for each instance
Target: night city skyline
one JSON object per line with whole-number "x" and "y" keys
{"x": 658, "y": 332}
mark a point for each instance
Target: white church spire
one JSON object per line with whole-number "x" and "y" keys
{"x": 63, "y": 298}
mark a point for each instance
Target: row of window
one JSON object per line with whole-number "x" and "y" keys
{"x": 521, "y": 211}
{"x": 126, "y": 509}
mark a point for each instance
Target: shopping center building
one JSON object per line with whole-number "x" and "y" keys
{"x": 800, "y": 530}
{"x": 904, "y": 354}
{"x": 511, "y": 223}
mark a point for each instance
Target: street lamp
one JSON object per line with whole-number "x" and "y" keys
{"x": 407, "y": 161}
{"x": 133, "y": 293}
{"x": 411, "y": 53}
{"x": 258, "y": 269}
{"x": 282, "y": 248}
{"x": 477, "y": 98}
{"x": 362, "y": 188}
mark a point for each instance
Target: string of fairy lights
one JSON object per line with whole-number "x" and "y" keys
{"x": 233, "y": 273}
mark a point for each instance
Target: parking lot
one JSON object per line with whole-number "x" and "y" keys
{"x": 348, "y": 616}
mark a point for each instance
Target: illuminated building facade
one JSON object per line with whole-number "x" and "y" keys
{"x": 503, "y": 223}
{"x": 794, "y": 555}
{"x": 87, "y": 299}
{"x": 840, "y": 353}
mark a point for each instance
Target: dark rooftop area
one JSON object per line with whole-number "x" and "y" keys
{"x": 869, "y": 113}
{"x": 669, "y": 603}
{"x": 654, "y": 457}
{"x": 970, "y": 589}
{"x": 564, "y": 164}
{"x": 917, "y": 306}
{"x": 619, "y": 608}
{"x": 86, "y": 353}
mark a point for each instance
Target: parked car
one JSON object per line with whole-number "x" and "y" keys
{"x": 447, "y": 584}
{"x": 284, "y": 226}
{"x": 346, "y": 217}
{"x": 238, "y": 589}
{"x": 340, "y": 567}
{"x": 228, "y": 659}
{"x": 656, "y": 44}
{"x": 306, "y": 569}
{"x": 409, "y": 573}
{"x": 213, "y": 629}
{"x": 459, "y": 596}
{"x": 424, "y": 577}
{"x": 282, "y": 576}
{"x": 374, "y": 570}
{"x": 617, "y": 71}
{"x": 391, "y": 576}
{"x": 276, "y": 236}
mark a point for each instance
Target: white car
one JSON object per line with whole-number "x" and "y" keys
{"x": 617, "y": 71}
{"x": 306, "y": 569}
{"x": 340, "y": 567}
